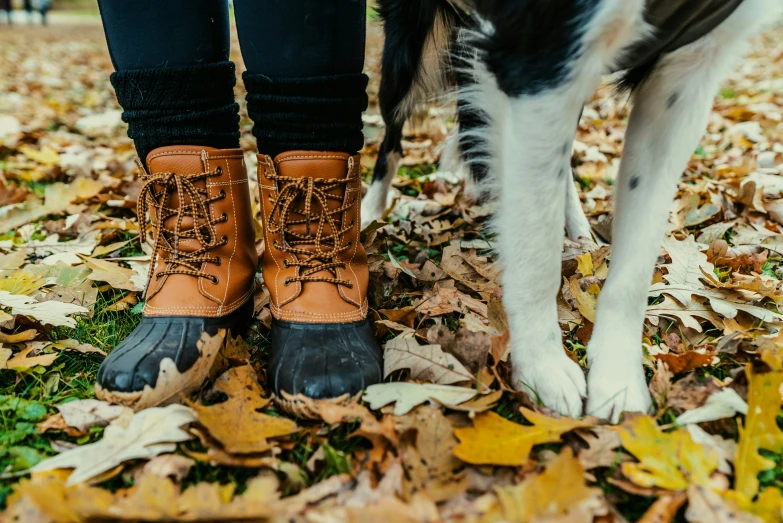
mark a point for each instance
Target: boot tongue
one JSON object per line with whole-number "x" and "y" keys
{"x": 186, "y": 161}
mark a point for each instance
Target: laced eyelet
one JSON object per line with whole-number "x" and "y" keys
{"x": 224, "y": 239}
{"x": 218, "y": 262}
{"x": 218, "y": 171}
{"x": 222, "y": 193}
{"x": 286, "y": 282}
{"x": 350, "y": 242}
{"x": 215, "y": 280}
{"x": 350, "y": 224}
{"x": 285, "y": 264}
{"x": 224, "y": 217}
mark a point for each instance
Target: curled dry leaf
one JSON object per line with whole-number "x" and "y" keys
{"x": 85, "y": 414}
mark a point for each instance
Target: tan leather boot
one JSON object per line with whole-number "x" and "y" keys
{"x": 315, "y": 268}
{"x": 203, "y": 267}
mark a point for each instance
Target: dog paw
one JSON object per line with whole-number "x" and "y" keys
{"x": 556, "y": 381}
{"x": 615, "y": 386}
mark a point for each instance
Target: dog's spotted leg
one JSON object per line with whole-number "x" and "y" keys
{"x": 546, "y": 59}
{"x": 670, "y": 114}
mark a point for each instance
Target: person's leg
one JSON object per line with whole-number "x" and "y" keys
{"x": 175, "y": 85}
{"x": 306, "y": 93}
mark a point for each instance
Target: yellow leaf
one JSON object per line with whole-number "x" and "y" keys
{"x": 584, "y": 264}
{"x": 20, "y": 282}
{"x": 112, "y": 273}
{"x": 760, "y": 431}
{"x": 22, "y": 361}
{"x": 768, "y": 506}
{"x": 236, "y": 423}
{"x": 670, "y": 461}
{"x": 558, "y": 492}
{"x": 46, "y": 156}
{"x": 493, "y": 440}
{"x": 586, "y": 300}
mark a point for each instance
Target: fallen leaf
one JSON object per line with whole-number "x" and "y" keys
{"x": 760, "y": 431}
{"x": 687, "y": 361}
{"x": 670, "y": 461}
{"x": 27, "y": 335}
{"x": 665, "y": 508}
{"x": 426, "y": 445}
{"x": 49, "y": 312}
{"x": 112, "y": 273}
{"x": 426, "y": 362}
{"x": 406, "y": 396}
{"x": 236, "y": 423}
{"x": 602, "y": 449}
{"x": 723, "y": 404}
{"x": 85, "y": 414}
{"x": 151, "y": 432}
{"x": 707, "y": 506}
{"x": 493, "y": 440}
{"x": 684, "y": 276}
{"x": 557, "y": 494}
{"x": 22, "y": 360}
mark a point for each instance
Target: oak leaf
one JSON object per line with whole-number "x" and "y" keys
{"x": 493, "y": 440}
{"x": 426, "y": 362}
{"x": 150, "y": 432}
{"x": 685, "y": 272}
{"x": 49, "y": 312}
{"x": 406, "y": 396}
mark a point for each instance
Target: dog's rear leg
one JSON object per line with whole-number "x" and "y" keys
{"x": 546, "y": 58}
{"x": 670, "y": 113}
{"x": 577, "y": 225}
{"x": 417, "y": 35}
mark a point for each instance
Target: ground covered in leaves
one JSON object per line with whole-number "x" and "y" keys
{"x": 445, "y": 437}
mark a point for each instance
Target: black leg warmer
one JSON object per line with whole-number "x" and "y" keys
{"x": 186, "y": 105}
{"x": 322, "y": 113}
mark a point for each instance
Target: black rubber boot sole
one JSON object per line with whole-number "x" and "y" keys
{"x": 135, "y": 362}
{"x": 323, "y": 360}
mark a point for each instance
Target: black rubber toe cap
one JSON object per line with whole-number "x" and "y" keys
{"x": 324, "y": 360}
{"x": 135, "y": 362}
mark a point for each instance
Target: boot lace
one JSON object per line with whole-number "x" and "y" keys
{"x": 193, "y": 203}
{"x": 324, "y": 246}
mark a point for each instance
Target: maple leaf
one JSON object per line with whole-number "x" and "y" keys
{"x": 406, "y": 396}
{"x": 112, "y": 273}
{"x": 688, "y": 267}
{"x": 670, "y": 461}
{"x": 426, "y": 362}
{"x": 707, "y": 506}
{"x": 557, "y": 494}
{"x": 493, "y": 440}
{"x": 149, "y": 433}
{"x": 236, "y": 423}
{"x": 759, "y": 431}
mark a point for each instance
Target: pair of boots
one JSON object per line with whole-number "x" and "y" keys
{"x": 202, "y": 275}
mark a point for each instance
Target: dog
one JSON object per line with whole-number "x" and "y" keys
{"x": 524, "y": 70}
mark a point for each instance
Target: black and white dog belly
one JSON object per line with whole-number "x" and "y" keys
{"x": 532, "y": 66}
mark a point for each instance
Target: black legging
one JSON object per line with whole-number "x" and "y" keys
{"x": 283, "y": 38}
{"x": 304, "y": 60}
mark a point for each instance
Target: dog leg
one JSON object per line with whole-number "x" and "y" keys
{"x": 670, "y": 113}
{"x": 577, "y": 225}
{"x": 546, "y": 58}
{"x": 417, "y": 35}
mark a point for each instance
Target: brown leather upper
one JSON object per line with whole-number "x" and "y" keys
{"x": 208, "y": 270}
{"x": 315, "y": 274}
